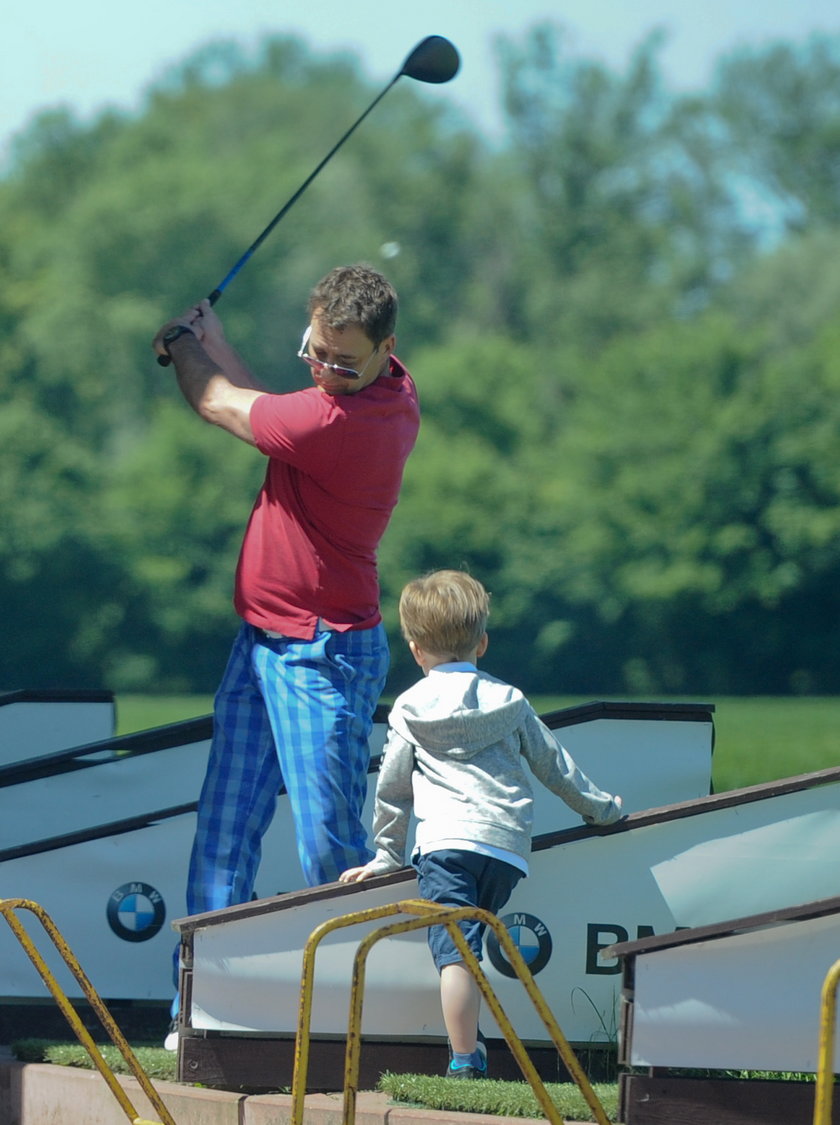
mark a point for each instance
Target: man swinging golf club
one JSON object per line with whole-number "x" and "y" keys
{"x": 296, "y": 703}
{"x": 295, "y": 706}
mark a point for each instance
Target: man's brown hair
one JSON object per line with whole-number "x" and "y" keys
{"x": 356, "y": 295}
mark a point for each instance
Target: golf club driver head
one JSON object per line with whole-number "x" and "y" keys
{"x": 434, "y": 60}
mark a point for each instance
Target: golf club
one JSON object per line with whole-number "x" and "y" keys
{"x": 434, "y": 60}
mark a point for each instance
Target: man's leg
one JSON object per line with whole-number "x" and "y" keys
{"x": 321, "y": 695}
{"x": 237, "y": 798}
{"x": 240, "y": 788}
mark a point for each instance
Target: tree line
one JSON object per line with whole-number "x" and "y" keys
{"x": 621, "y": 315}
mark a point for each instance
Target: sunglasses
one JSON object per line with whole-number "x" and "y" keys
{"x": 336, "y": 368}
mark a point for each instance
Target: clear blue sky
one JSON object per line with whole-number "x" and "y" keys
{"x": 91, "y": 53}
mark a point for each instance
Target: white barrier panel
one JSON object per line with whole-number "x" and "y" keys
{"x": 33, "y": 723}
{"x": 648, "y": 760}
{"x": 744, "y": 1001}
{"x": 652, "y": 757}
{"x": 113, "y": 901}
{"x": 583, "y": 895}
{"x": 114, "y": 896}
{"x": 112, "y": 790}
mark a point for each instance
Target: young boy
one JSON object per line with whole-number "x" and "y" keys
{"x": 455, "y": 753}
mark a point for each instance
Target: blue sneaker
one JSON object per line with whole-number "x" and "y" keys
{"x": 475, "y": 1069}
{"x": 466, "y": 1072}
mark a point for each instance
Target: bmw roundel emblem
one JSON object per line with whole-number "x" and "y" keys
{"x": 531, "y": 938}
{"x": 136, "y": 912}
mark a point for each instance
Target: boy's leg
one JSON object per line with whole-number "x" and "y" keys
{"x": 459, "y": 878}
{"x": 321, "y": 696}
{"x": 240, "y": 789}
{"x": 460, "y": 1001}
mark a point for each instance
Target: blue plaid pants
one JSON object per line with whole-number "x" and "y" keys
{"x": 290, "y": 713}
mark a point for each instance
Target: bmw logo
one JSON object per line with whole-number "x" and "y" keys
{"x": 531, "y": 938}
{"x": 136, "y": 912}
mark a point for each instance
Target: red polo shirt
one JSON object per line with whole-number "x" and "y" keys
{"x": 333, "y": 478}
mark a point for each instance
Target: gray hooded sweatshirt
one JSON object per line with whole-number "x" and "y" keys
{"x": 456, "y": 752}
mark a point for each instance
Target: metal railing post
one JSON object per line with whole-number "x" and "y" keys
{"x": 824, "y": 1095}
{"x": 9, "y": 908}
{"x": 426, "y": 914}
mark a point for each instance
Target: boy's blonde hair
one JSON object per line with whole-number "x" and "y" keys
{"x": 445, "y": 613}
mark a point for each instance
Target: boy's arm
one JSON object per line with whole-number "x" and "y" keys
{"x": 556, "y": 769}
{"x": 392, "y": 811}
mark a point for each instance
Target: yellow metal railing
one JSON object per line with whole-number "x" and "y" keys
{"x": 426, "y": 914}
{"x": 9, "y": 908}
{"x": 824, "y": 1097}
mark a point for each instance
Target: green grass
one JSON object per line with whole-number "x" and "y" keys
{"x": 767, "y": 739}
{"x": 158, "y": 1064}
{"x": 141, "y": 712}
{"x": 495, "y": 1097}
{"x": 502, "y": 1099}
{"x": 756, "y": 739}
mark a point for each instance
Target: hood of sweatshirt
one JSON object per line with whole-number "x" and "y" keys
{"x": 458, "y": 712}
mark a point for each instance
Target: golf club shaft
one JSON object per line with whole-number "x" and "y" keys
{"x": 220, "y": 288}
{"x": 164, "y": 360}
{"x": 432, "y": 60}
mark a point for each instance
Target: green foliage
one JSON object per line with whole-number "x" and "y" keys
{"x": 622, "y": 323}
{"x": 781, "y": 109}
{"x": 620, "y": 209}
{"x": 179, "y": 519}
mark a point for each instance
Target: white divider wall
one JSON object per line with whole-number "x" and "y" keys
{"x": 581, "y": 896}
{"x": 114, "y": 898}
{"x": 746, "y": 1001}
{"x": 33, "y": 724}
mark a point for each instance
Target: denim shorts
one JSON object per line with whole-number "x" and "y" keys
{"x": 462, "y": 878}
